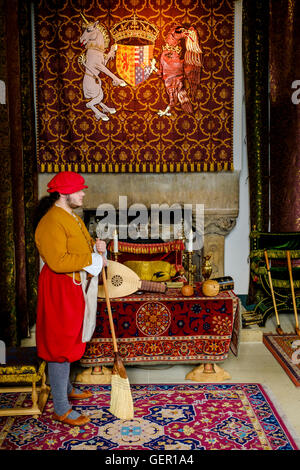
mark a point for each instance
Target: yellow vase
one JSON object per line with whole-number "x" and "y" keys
{"x": 206, "y": 268}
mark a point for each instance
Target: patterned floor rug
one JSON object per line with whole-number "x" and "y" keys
{"x": 286, "y": 350}
{"x": 183, "y": 417}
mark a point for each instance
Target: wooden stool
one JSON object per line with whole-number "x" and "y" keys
{"x": 24, "y": 367}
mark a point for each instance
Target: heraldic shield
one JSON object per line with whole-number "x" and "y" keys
{"x": 133, "y": 63}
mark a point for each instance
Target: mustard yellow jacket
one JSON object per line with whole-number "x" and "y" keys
{"x": 64, "y": 242}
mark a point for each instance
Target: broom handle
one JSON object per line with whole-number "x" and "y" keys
{"x": 110, "y": 317}
{"x": 288, "y": 255}
{"x": 271, "y": 287}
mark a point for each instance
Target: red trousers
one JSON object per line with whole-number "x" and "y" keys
{"x": 60, "y": 312}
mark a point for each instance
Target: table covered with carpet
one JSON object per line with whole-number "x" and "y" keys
{"x": 166, "y": 328}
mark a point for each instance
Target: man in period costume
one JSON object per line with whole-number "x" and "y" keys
{"x": 68, "y": 251}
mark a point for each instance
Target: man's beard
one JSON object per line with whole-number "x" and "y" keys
{"x": 71, "y": 204}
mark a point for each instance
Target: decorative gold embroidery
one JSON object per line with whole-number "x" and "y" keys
{"x": 168, "y": 47}
{"x": 89, "y": 241}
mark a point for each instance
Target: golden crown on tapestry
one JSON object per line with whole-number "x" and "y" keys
{"x": 134, "y": 27}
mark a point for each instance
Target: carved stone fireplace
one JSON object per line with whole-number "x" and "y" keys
{"x": 218, "y": 192}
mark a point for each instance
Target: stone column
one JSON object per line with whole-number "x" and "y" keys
{"x": 216, "y": 227}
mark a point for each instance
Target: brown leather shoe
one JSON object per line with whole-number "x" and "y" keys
{"x": 80, "y": 421}
{"x": 80, "y": 396}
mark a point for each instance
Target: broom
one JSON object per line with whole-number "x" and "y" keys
{"x": 121, "y": 404}
{"x": 278, "y": 329}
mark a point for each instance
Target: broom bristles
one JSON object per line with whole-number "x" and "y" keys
{"x": 121, "y": 403}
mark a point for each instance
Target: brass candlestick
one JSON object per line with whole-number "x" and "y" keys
{"x": 187, "y": 260}
{"x": 190, "y": 272}
{"x": 190, "y": 267}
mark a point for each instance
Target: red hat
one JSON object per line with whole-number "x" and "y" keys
{"x": 66, "y": 182}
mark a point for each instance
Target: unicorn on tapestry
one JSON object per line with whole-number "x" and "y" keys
{"x": 95, "y": 39}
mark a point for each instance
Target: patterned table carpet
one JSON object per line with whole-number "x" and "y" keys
{"x": 183, "y": 417}
{"x": 166, "y": 328}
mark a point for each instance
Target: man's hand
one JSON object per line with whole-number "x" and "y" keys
{"x": 101, "y": 248}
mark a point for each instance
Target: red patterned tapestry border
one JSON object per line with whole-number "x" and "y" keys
{"x": 148, "y": 248}
{"x": 126, "y": 89}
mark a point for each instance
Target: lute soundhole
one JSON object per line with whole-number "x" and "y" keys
{"x": 117, "y": 280}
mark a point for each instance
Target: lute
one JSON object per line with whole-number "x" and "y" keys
{"x": 122, "y": 281}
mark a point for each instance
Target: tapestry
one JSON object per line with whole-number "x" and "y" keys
{"x": 168, "y": 417}
{"x": 255, "y": 36}
{"x": 286, "y": 350}
{"x": 166, "y": 328}
{"x": 18, "y": 179}
{"x": 134, "y": 86}
{"x": 255, "y": 39}
{"x": 284, "y": 135}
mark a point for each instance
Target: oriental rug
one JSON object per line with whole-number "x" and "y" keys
{"x": 182, "y": 417}
{"x": 286, "y": 350}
